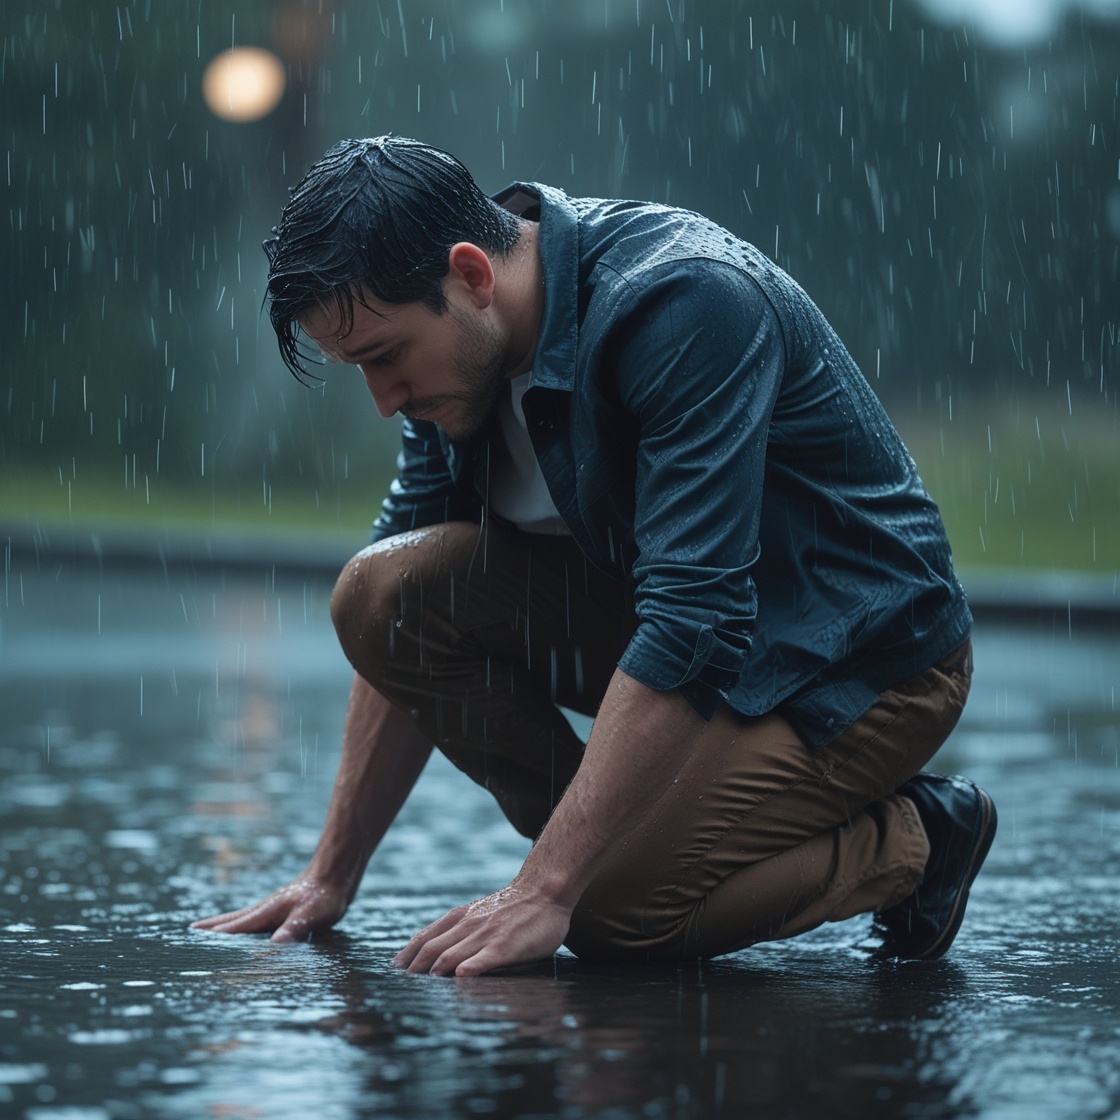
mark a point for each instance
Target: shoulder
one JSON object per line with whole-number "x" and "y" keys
{"x": 640, "y": 254}
{"x": 660, "y": 307}
{"x": 636, "y": 240}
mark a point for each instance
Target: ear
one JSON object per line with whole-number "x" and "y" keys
{"x": 470, "y": 267}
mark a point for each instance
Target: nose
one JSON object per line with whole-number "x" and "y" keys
{"x": 389, "y": 394}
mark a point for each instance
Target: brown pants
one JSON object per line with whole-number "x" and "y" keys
{"x": 479, "y": 635}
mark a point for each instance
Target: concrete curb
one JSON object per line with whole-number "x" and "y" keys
{"x": 1065, "y": 598}
{"x": 178, "y": 550}
{"x": 1060, "y": 598}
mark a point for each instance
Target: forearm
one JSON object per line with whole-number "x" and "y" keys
{"x": 639, "y": 742}
{"x": 382, "y": 756}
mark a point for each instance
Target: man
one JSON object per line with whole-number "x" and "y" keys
{"x": 640, "y": 478}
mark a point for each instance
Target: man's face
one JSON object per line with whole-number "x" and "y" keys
{"x": 445, "y": 368}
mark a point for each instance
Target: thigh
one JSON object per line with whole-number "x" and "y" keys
{"x": 459, "y": 611}
{"x": 571, "y": 622}
{"x": 478, "y": 634}
{"x": 530, "y": 601}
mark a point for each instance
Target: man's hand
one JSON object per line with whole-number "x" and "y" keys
{"x": 291, "y": 913}
{"x": 511, "y": 927}
{"x": 382, "y": 756}
{"x": 638, "y": 743}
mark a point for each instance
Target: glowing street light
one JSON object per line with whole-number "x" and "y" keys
{"x": 243, "y": 84}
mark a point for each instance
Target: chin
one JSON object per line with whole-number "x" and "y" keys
{"x": 466, "y": 422}
{"x": 458, "y": 433}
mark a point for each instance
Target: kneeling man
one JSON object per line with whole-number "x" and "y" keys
{"x": 640, "y": 478}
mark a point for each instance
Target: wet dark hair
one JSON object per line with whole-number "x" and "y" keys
{"x": 374, "y": 217}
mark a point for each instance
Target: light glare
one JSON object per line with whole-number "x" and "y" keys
{"x": 243, "y": 84}
{"x": 1014, "y": 23}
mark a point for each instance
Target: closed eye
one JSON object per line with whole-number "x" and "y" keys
{"x": 385, "y": 358}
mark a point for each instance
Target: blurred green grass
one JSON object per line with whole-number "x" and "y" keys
{"x": 32, "y": 499}
{"x": 1022, "y": 487}
{"x": 1018, "y": 489}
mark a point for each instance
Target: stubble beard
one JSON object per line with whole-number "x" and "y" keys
{"x": 479, "y": 371}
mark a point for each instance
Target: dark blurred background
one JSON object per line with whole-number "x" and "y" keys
{"x": 943, "y": 178}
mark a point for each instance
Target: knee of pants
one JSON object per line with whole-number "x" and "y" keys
{"x": 599, "y": 932}
{"x": 377, "y": 588}
{"x": 362, "y": 603}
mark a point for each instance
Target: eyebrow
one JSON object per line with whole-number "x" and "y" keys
{"x": 371, "y": 350}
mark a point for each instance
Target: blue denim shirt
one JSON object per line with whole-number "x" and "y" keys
{"x": 708, "y": 439}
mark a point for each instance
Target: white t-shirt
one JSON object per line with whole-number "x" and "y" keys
{"x": 518, "y": 491}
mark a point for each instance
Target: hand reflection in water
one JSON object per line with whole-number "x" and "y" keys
{"x": 707, "y": 1038}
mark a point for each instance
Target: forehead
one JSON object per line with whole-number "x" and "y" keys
{"x": 368, "y": 321}
{"x": 329, "y": 321}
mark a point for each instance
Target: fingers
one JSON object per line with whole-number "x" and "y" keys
{"x": 440, "y": 957}
{"x": 293, "y": 930}
{"x": 290, "y": 914}
{"x": 300, "y": 924}
{"x": 469, "y": 949}
{"x": 259, "y": 919}
{"x": 482, "y": 962}
{"x": 216, "y": 920}
{"x": 465, "y": 944}
{"x": 422, "y": 950}
{"x": 246, "y": 920}
{"x": 502, "y": 930}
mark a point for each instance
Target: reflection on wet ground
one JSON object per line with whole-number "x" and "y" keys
{"x": 166, "y": 750}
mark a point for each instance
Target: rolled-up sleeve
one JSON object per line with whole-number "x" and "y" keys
{"x": 699, "y": 363}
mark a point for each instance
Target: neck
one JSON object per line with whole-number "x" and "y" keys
{"x": 521, "y": 295}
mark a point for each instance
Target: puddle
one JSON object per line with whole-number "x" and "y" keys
{"x": 167, "y": 750}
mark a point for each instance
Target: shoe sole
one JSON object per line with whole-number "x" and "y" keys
{"x": 984, "y": 838}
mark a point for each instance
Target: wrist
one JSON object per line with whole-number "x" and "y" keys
{"x": 341, "y": 874}
{"x": 548, "y": 884}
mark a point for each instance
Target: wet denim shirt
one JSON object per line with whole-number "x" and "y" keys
{"x": 708, "y": 440}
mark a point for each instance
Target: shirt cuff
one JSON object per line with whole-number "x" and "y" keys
{"x": 704, "y": 670}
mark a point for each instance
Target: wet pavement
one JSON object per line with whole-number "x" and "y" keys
{"x": 167, "y": 745}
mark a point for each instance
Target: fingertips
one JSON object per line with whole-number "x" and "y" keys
{"x": 231, "y": 923}
{"x": 403, "y": 959}
{"x": 285, "y": 936}
{"x": 210, "y": 925}
{"x": 436, "y": 959}
{"x": 220, "y": 927}
{"x": 213, "y": 922}
{"x": 412, "y": 958}
{"x": 473, "y": 966}
{"x": 419, "y": 954}
{"x": 225, "y": 922}
{"x": 409, "y": 953}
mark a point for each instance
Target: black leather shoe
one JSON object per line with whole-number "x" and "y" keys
{"x": 960, "y": 821}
